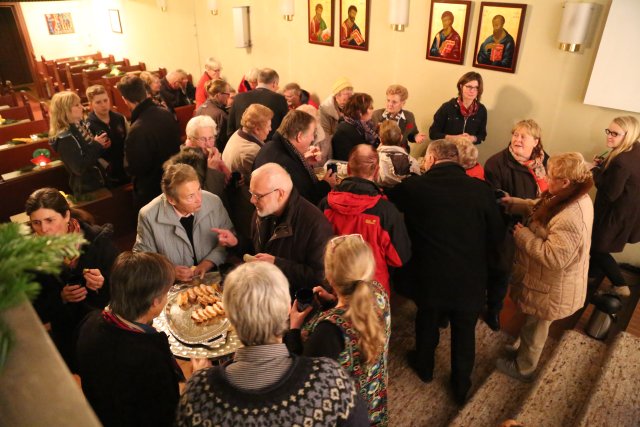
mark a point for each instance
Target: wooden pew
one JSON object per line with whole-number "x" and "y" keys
{"x": 15, "y": 157}
{"x": 18, "y": 113}
{"x": 9, "y": 99}
{"x": 183, "y": 115}
{"x": 119, "y": 103}
{"x": 22, "y": 130}
{"x": 97, "y": 55}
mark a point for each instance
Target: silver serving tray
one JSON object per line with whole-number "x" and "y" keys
{"x": 183, "y": 328}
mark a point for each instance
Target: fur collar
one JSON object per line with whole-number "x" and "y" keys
{"x": 550, "y": 205}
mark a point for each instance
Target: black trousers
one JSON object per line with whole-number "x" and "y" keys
{"x": 463, "y": 344}
{"x": 603, "y": 264}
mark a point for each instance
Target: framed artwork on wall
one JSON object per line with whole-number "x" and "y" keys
{"x": 499, "y": 36}
{"x": 354, "y": 24}
{"x": 59, "y": 23}
{"x": 321, "y": 22}
{"x": 114, "y": 19}
{"x": 448, "y": 27}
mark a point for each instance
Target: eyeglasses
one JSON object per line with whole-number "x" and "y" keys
{"x": 205, "y": 139}
{"x": 258, "y": 197}
{"x": 469, "y": 87}
{"x": 335, "y": 242}
{"x": 613, "y": 134}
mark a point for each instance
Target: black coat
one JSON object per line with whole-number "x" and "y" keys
{"x": 154, "y": 136}
{"x": 129, "y": 378}
{"x": 99, "y": 252}
{"x": 263, "y": 96}
{"x": 297, "y": 239}
{"x": 176, "y": 97}
{"x": 114, "y": 155}
{"x": 454, "y": 223}
{"x": 449, "y": 121}
{"x": 617, "y": 206}
{"x": 276, "y": 151}
{"x": 504, "y": 172}
{"x": 220, "y": 115}
{"x": 344, "y": 139}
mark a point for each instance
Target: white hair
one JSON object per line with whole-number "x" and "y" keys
{"x": 276, "y": 176}
{"x": 199, "y": 122}
{"x": 257, "y": 301}
{"x": 212, "y": 63}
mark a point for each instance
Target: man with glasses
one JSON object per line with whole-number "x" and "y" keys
{"x": 287, "y": 230}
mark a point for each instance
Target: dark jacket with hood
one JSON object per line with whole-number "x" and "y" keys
{"x": 297, "y": 239}
{"x": 358, "y": 206}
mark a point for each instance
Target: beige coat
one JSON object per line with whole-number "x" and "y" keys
{"x": 239, "y": 154}
{"x": 549, "y": 278}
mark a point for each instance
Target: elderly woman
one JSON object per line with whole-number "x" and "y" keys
{"x": 129, "y": 375}
{"x": 518, "y": 170}
{"x": 102, "y": 119}
{"x": 291, "y": 149}
{"x": 212, "y": 70}
{"x": 178, "y": 224}
{"x": 394, "y": 110}
{"x": 549, "y": 280}
{"x": 249, "y": 80}
{"x": 355, "y": 332}
{"x": 617, "y": 205}
{"x": 464, "y": 116}
{"x": 72, "y": 139}
{"x": 356, "y": 128}
{"x": 332, "y": 108}
{"x": 215, "y": 106}
{"x": 265, "y": 385}
{"x": 83, "y": 284}
{"x": 152, "y": 84}
{"x": 468, "y": 158}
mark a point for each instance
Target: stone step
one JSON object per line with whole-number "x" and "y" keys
{"x": 564, "y": 383}
{"x": 498, "y": 398}
{"x": 614, "y": 400}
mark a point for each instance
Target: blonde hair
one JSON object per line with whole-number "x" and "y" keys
{"x": 59, "y": 111}
{"x": 398, "y": 90}
{"x": 349, "y": 266}
{"x": 256, "y": 298}
{"x": 533, "y": 129}
{"x": 569, "y": 166}
{"x": 467, "y": 154}
{"x": 175, "y": 175}
{"x": 390, "y": 133}
{"x": 148, "y": 77}
{"x": 630, "y": 125}
{"x": 255, "y": 116}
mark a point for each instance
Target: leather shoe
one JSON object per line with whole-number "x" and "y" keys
{"x": 493, "y": 321}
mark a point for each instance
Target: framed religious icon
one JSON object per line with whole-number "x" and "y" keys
{"x": 114, "y": 19}
{"x": 354, "y": 24}
{"x": 321, "y": 22}
{"x": 448, "y": 27}
{"x": 59, "y": 23}
{"x": 499, "y": 36}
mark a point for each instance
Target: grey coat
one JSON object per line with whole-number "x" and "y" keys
{"x": 159, "y": 230}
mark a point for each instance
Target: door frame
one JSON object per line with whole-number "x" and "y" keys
{"x": 16, "y": 10}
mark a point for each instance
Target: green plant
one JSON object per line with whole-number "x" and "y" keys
{"x": 21, "y": 256}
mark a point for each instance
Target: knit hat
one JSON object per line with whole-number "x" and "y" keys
{"x": 341, "y": 83}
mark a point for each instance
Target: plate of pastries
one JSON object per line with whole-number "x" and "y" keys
{"x": 195, "y": 313}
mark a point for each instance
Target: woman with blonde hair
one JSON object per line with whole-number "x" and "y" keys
{"x": 617, "y": 205}
{"x": 355, "y": 332}
{"x": 549, "y": 280}
{"x": 71, "y": 138}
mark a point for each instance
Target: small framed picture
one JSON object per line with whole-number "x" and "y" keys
{"x": 448, "y": 27}
{"x": 59, "y": 23}
{"x": 321, "y": 22}
{"x": 354, "y": 24}
{"x": 114, "y": 18}
{"x": 499, "y": 36}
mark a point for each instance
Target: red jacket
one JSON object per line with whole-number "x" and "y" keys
{"x": 358, "y": 206}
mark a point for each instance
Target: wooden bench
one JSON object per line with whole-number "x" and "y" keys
{"x": 14, "y": 157}
{"x": 18, "y": 113}
{"x": 22, "y": 130}
{"x": 183, "y": 115}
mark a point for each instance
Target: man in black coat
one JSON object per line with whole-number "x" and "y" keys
{"x": 290, "y": 148}
{"x": 287, "y": 230}
{"x": 454, "y": 223}
{"x": 154, "y": 136}
{"x": 176, "y": 90}
{"x": 264, "y": 94}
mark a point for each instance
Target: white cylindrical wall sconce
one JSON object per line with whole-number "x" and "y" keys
{"x": 162, "y": 4}
{"x": 575, "y": 25}
{"x": 398, "y": 14}
{"x": 212, "y": 5}
{"x": 287, "y": 7}
{"x": 241, "y": 31}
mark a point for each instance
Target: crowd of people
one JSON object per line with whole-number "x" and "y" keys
{"x": 249, "y": 179}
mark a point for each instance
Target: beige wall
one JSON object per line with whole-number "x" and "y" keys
{"x": 549, "y": 85}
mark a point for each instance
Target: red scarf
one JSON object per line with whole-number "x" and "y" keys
{"x": 468, "y": 112}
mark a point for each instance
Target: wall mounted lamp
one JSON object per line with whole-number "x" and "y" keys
{"x": 287, "y": 7}
{"x": 398, "y": 14}
{"x": 212, "y": 5}
{"x": 574, "y": 26}
{"x": 162, "y": 4}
